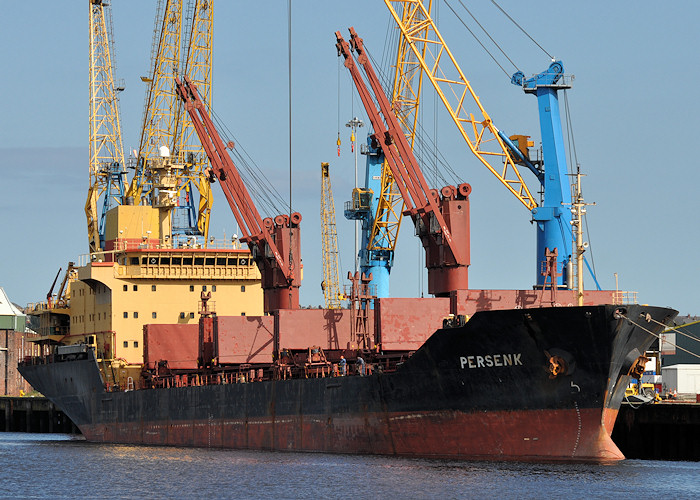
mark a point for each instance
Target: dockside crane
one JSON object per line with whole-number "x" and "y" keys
{"x": 197, "y": 65}
{"x": 275, "y": 243}
{"x": 182, "y": 45}
{"x": 329, "y": 242}
{"x": 158, "y": 126}
{"x": 441, "y": 218}
{"x": 107, "y": 172}
{"x": 501, "y": 154}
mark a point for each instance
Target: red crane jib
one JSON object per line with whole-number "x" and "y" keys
{"x": 441, "y": 218}
{"x": 275, "y": 243}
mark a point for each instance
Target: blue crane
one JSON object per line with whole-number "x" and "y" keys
{"x": 364, "y": 206}
{"x": 553, "y": 216}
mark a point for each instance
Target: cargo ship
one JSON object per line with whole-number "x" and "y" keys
{"x": 465, "y": 374}
{"x": 538, "y": 383}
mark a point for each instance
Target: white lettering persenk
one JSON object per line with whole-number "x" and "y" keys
{"x": 490, "y": 360}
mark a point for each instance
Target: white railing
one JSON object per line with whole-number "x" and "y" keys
{"x": 624, "y": 297}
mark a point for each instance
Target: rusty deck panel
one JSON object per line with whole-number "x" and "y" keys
{"x": 327, "y": 328}
{"x": 407, "y": 323}
{"x": 245, "y": 339}
{"x": 178, "y": 344}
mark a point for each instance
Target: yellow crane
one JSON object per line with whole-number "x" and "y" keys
{"x": 408, "y": 82}
{"x": 198, "y": 68}
{"x": 329, "y": 237}
{"x": 161, "y": 101}
{"x": 455, "y": 92}
{"x": 165, "y": 122}
{"x": 107, "y": 172}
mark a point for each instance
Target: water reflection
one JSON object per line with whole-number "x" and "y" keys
{"x": 59, "y": 466}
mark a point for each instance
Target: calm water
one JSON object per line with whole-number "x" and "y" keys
{"x": 57, "y": 466}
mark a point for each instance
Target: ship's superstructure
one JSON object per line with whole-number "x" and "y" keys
{"x": 143, "y": 266}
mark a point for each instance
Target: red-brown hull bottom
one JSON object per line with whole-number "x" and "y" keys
{"x": 578, "y": 434}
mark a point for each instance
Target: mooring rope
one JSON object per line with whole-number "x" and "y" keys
{"x": 677, "y": 329}
{"x": 649, "y": 318}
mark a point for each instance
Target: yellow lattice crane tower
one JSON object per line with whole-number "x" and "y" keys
{"x": 329, "y": 238}
{"x": 161, "y": 101}
{"x": 182, "y": 45}
{"x": 455, "y": 92}
{"x": 107, "y": 172}
{"x": 198, "y": 68}
{"x": 408, "y": 79}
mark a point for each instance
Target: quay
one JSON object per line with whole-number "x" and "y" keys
{"x": 33, "y": 414}
{"x": 661, "y": 431}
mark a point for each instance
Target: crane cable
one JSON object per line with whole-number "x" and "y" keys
{"x": 572, "y": 148}
{"x": 384, "y": 78}
{"x": 479, "y": 41}
{"x": 521, "y": 29}
{"x": 423, "y": 148}
{"x": 492, "y": 39}
{"x": 338, "y": 141}
{"x": 487, "y": 34}
{"x": 255, "y": 179}
{"x": 290, "y": 261}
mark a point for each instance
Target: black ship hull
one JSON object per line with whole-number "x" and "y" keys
{"x": 510, "y": 384}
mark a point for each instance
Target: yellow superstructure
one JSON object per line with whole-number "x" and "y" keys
{"x": 140, "y": 279}
{"x": 141, "y": 269}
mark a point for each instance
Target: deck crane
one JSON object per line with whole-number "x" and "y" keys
{"x": 107, "y": 173}
{"x": 166, "y": 124}
{"x": 274, "y": 243}
{"x": 329, "y": 240}
{"x": 379, "y": 204}
{"x": 441, "y": 218}
{"x": 553, "y": 217}
{"x": 497, "y": 152}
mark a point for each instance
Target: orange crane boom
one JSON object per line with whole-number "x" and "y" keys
{"x": 274, "y": 243}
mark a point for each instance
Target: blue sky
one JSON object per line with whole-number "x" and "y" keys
{"x": 633, "y": 106}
